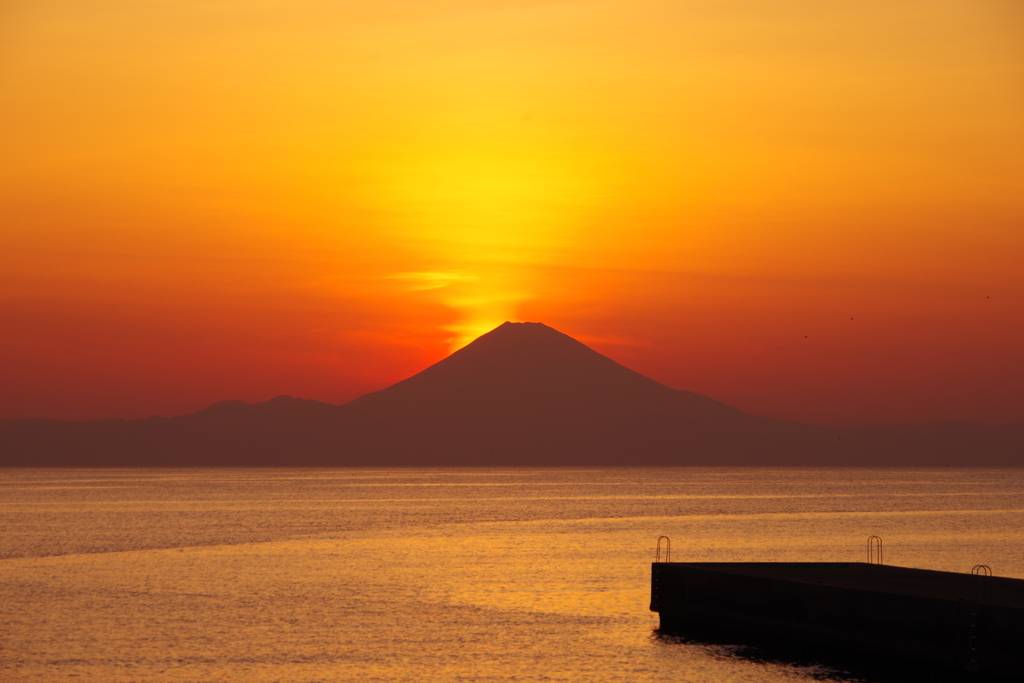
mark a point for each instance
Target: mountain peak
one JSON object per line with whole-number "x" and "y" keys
{"x": 526, "y": 337}
{"x": 520, "y": 366}
{"x": 509, "y": 326}
{"x": 512, "y": 349}
{"x": 522, "y": 333}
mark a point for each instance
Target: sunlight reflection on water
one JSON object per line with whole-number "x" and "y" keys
{"x": 447, "y": 575}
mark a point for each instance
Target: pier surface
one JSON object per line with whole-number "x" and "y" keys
{"x": 962, "y": 621}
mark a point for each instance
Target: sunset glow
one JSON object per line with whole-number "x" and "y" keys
{"x": 806, "y": 210}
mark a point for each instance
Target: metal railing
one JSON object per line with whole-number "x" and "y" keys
{"x": 668, "y": 549}
{"x": 982, "y": 587}
{"x": 875, "y": 550}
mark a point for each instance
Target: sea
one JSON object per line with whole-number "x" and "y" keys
{"x": 316, "y": 575}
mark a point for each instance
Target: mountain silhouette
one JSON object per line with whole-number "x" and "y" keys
{"x": 522, "y": 394}
{"x": 526, "y": 393}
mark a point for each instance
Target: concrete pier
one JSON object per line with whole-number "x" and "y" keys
{"x": 960, "y": 621}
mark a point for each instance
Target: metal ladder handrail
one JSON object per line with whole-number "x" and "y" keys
{"x": 668, "y": 549}
{"x": 875, "y": 550}
{"x": 982, "y": 586}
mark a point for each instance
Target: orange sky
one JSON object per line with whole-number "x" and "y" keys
{"x": 810, "y": 210}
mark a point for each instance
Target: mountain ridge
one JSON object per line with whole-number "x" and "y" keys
{"x": 522, "y": 394}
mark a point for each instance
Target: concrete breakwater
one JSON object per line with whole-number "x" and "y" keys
{"x": 960, "y": 621}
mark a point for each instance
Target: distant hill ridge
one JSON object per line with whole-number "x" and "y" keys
{"x": 522, "y": 394}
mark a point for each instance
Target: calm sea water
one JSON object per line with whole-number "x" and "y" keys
{"x": 437, "y": 575}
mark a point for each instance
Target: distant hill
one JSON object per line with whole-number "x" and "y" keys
{"x": 522, "y": 394}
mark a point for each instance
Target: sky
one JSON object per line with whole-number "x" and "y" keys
{"x": 808, "y": 210}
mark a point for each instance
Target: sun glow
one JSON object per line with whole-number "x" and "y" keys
{"x": 477, "y": 220}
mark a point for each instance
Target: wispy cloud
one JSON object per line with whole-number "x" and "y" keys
{"x": 432, "y": 280}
